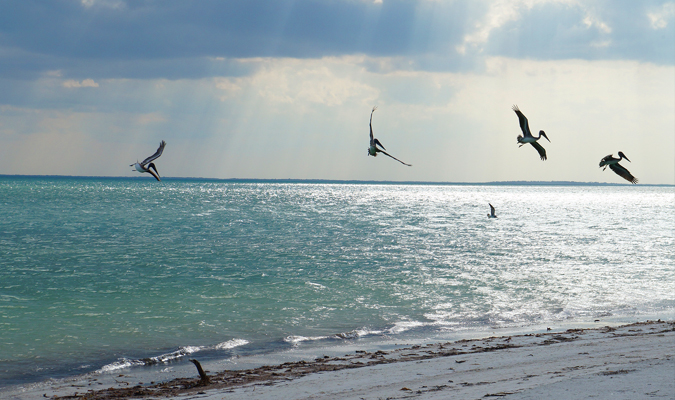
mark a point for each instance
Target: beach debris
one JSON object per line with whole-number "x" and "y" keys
{"x": 621, "y": 371}
{"x": 499, "y": 394}
{"x": 203, "y": 378}
{"x": 267, "y": 375}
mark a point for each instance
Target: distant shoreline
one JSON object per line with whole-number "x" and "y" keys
{"x": 338, "y": 181}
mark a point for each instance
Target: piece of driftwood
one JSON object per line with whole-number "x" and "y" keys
{"x": 203, "y": 378}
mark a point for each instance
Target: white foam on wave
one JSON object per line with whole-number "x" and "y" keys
{"x": 169, "y": 357}
{"x": 357, "y": 333}
{"x": 403, "y": 326}
{"x": 354, "y": 334}
{"x": 230, "y": 344}
{"x": 161, "y": 359}
{"x": 315, "y": 285}
{"x": 120, "y": 364}
{"x": 295, "y": 339}
{"x": 182, "y": 352}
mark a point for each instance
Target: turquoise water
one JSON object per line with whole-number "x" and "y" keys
{"x": 104, "y": 274}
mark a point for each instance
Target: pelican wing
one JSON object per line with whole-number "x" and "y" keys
{"x": 389, "y": 155}
{"x": 156, "y": 155}
{"x": 377, "y": 142}
{"x": 623, "y": 172}
{"x": 492, "y": 209}
{"x": 540, "y": 149}
{"x": 152, "y": 166}
{"x": 524, "y": 126}
{"x": 153, "y": 174}
{"x": 605, "y": 160}
{"x": 372, "y": 138}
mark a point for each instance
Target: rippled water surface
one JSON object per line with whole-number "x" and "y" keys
{"x": 99, "y": 274}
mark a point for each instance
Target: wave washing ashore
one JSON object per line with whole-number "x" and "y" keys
{"x": 625, "y": 362}
{"x": 110, "y": 277}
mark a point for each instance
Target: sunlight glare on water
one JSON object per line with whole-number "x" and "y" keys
{"x": 114, "y": 270}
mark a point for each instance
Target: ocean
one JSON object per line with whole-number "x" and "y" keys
{"x": 102, "y": 275}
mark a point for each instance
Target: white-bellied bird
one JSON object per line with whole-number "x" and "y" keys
{"x": 147, "y": 165}
{"x": 613, "y": 164}
{"x": 492, "y": 212}
{"x": 527, "y": 137}
{"x": 374, "y": 143}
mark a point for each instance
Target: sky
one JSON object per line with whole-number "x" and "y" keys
{"x": 283, "y": 89}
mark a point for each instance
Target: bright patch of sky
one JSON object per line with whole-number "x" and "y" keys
{"x": 284, "y": 89}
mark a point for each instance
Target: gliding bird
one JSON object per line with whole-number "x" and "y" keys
{"x": 141, "y": 167}
{"x": 373, "y": 150}
{"x": 613, "y": 164}
{"x": 528, "y": 138}
{"x": 492, "y": 212}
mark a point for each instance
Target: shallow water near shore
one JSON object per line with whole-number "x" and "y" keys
{"x": 115, "y": 275}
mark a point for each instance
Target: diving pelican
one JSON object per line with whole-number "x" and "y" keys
{"x": 492, "y": 212}
{"x": 528, "y": 138}
{"x": 373, "y": 150}
{"x": 141, "y": 167}
{"x": 613, "y": 164}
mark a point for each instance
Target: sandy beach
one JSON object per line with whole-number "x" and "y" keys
{"x": 623, "y": 362}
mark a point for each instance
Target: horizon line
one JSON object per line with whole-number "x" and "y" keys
{"x": 353, "y": 181}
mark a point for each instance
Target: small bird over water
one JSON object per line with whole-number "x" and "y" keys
{"x": 528, "y": 138}
{"x": 373, "y": 150}
{"x": 613, "y": 164}
{"x": 492, "y": 212}
{"x": 147, "y": 165}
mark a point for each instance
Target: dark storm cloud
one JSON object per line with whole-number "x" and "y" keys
{"x": 38, "y": 35}
{"x": 182, "y": 38}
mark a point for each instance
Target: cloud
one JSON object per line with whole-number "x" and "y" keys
{"x": 103, "y": 3}
{"x": 283, "y": 88}
{"x": 177, "y": 39}
{"x": 75, "y": 84}
{"x": 660, "y": 18}
{"x": 309, "y": 81}
{"x": 294, "y": 118}
{"x": 499, "y": 12}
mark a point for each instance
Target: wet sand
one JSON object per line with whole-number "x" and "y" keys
{"x": 625, "y": 362}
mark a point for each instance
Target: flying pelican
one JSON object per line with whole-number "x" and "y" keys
{"x": 613, "y": 164}
{"x": 373, "y": 150}
{"x": 492, "y": 212}
{"x": 524, "y": 126}
{"x": 141, "y": 167}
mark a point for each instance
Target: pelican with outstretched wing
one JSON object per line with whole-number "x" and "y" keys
{"x": 374, "y": 143}
{"x": 147, "y": 165}
{"x": 527, "y": 137}
{"x": 613, "y": 164}
{"x": 492, "y": 212}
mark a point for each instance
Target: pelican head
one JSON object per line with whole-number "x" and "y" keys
{"x": 621, "y": 155}
{"x": 542, "y": 133}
